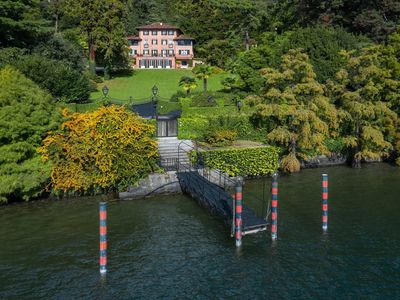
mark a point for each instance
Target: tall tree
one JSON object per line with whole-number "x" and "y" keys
{"x": 101, "y": 22}
{"x": 204, "y": 72}
{"x": 21, "y": 24}
{"x": 365, "y": 90}
{"x": 295, "y": 110}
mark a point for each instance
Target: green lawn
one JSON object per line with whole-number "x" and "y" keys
{"x": 139, "y": 84}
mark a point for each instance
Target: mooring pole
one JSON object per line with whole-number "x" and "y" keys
{"x": 238, "y": 214}
{"x": 274, "y": 207}
{"x": 233, "y": 216}
{"x": 324, "y": 202}
{"x": 103, "y": 237}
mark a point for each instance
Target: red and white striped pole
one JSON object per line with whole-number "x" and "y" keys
{"x": 238, "y": 215}
{"x": 274, "y": 207}
{"x": 324, "y": 202}
{"x": 103, "y": 237}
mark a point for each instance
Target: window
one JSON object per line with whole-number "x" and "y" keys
{"x": 154, "y": 42}
{"x": 170, "y": 52}
{"x": 154, "y": 32}
{"x": 145, "y": 32}
{"x": 163, "y": 32}
{"x": 133, "y": 51}
{"x": 164, "y": 42}
{"x": 154, "y": 52}
{"x": 170, "y": 32}
{"x": 184, "y": 42}
{"x": 145, "y": 44}
{"x": 170, "y": 43}
{"x": 134, "y": 42}
{"x": 145, "y": 52}
{"x": 164, "y": 52}
{"x": 184, "y": 52}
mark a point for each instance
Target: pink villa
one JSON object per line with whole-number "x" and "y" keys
{"x": 161, "y": 46}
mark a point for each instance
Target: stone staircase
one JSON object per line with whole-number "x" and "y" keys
{"x": 168, "y": 150}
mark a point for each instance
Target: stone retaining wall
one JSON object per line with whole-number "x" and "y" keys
{"x": 153, "y": 184}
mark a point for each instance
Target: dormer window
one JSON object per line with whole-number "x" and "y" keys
{"x": 134, "y": 42}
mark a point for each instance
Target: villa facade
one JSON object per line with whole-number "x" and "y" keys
{"x": 161, "y": 46}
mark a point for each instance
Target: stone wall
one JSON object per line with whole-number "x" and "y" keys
{"x": 153, "y": 184}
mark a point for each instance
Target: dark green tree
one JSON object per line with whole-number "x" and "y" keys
{"x": 101, "y": 23}
{"x": 26, "y": 114}
{"x": 295, "y": 110}
{"x": 365, "y": 90}
{"x": 21, "y": 24}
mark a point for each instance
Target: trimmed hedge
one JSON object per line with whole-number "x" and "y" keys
{"x": 192, "y": 128}
{"x": 165, "y": 107}
{"x": 245, "y": 162}
{"x": 208, "y": 111}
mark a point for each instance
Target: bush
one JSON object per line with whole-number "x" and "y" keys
{"x": 203, "y": 100}
{"x": 222, "y": 137}
{"x": 165, "y": 107}
{"x": 290, "y": 164}
{"x": 27, "y": 114}
{"x": 60, "y": 49}
{"x": 192, "y": 127}
{"x": 58, "y": 78}
{"x": 63, "y": 82}
{"x": 175, "y": 97}
{"x": 105, "y": 150}
{"x": 245, "y": 162}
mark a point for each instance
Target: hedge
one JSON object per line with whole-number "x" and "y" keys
{"x": 245, "y": 162}
{"x": 192, "y": 128}
{"x": 165, "y": 107}
{"x": 209, "y": 111}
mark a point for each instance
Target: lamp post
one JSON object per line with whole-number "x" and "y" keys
{"x": 154, "y": 91}
{"x": 105, "y": 91}
{"x": 239, "y": 105}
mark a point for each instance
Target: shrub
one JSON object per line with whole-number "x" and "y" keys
{"x": 105, "y": 150}
{"x": 63, "y": 82}
{"x": 185, "y": 102}
{"x": 222, "y": 137}
{"x": 60, "y": 49}
{"x": 192, "y": 127}
{"x": 175, "y": 97}
{"x": 290, "y": 163}
{"x": 26, "y": 115}
{"x": 203, "y": 100}
{"x": 164, "y": 107}
{"x": 245, "y": 162}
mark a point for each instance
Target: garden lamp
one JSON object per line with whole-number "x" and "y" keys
{"x": 154, "y": 89}
{"x": 239, "y": 105}
{"x": 105, "y": 90}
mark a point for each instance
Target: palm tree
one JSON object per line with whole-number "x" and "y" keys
{"x": 203, "y": 72}
{"x": 188, "y": 84}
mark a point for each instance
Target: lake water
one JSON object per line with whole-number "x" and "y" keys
{"x": 168, "y": 247}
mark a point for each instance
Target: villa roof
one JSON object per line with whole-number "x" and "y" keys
{"x": 134, "y": 38}
{"x": 184, "y": 37}
{"x": 158, "y": 26}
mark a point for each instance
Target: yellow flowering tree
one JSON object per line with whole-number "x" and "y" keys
{"x": 105, "y": 150}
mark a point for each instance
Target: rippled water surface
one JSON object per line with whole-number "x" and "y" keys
{"x": 167, "y": 247}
